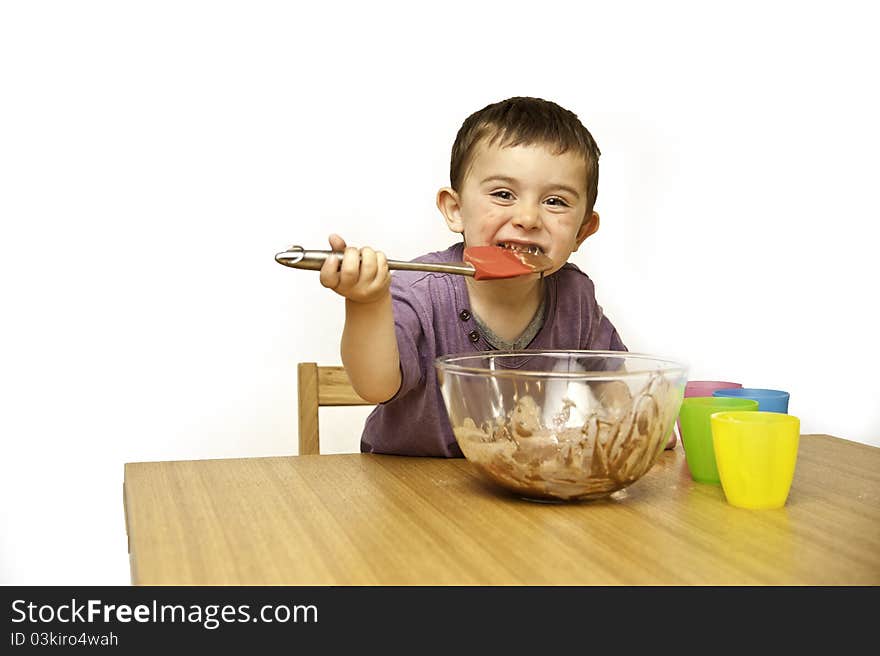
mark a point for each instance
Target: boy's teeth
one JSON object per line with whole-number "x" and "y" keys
{"x": 534, "y": 250}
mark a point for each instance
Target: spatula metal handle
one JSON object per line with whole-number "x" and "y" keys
{"x": 299, "y": 258}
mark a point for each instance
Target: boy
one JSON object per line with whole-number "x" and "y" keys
{"x": 524, "y": 175}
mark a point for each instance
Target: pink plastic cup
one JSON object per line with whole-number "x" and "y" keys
{"x": 702, "y": 388}
{"x": 706, "y": 387}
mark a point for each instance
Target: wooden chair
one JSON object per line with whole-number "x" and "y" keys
{"x": 320, "y": 386}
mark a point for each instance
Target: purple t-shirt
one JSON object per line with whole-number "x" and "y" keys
{"x": 432, "y": 317}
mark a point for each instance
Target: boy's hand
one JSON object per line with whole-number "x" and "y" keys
{"x": 614, "y": 395}
{"x": 362, "y": 276}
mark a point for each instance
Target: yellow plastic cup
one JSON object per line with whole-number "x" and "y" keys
{"x": 756, "y": 454}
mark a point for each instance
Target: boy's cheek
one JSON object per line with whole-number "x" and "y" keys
{"x": 486, "y": 214}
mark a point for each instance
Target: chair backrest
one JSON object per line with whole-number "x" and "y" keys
{"x": 320, "y": 386}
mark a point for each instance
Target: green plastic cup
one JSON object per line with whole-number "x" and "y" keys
{"x": 696, "y": 432}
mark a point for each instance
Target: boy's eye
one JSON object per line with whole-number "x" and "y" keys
{"x": 556, "y": 200}
{"x": 503, "y": 195}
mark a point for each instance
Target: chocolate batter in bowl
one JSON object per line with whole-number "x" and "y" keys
{"x": 561, "y": 425}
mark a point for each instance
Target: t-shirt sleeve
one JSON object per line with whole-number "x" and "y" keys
{"x": 596, "y": 332}
{"x": 603, "y": 335}
{"x": 409, "y": 332}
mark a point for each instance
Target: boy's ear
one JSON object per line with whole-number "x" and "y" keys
{"x": 449, "y": 204}
{"x": 589, "y": 226}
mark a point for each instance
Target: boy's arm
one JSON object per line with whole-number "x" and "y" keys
{"x": 369, "y": 344}
{"x": 369, "y": 349}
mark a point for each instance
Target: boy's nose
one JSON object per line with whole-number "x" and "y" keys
{"x": 527, "y": 218}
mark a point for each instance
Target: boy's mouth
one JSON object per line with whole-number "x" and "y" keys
{"x": 521, "y": 248}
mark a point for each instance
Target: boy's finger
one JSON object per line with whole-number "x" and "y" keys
{"x": 351, "y": 265}
{"x": 382, "y": 271}
{"x": 329, "y": 276}
{"x": 381, "y": 280}
{"x": 337, "y": 243}
{"x": 368, "y": 264}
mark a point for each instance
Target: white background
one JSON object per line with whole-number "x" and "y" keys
{"x": 154, "y": 156}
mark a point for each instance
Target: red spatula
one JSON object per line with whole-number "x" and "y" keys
{"x": 481, "y": 262}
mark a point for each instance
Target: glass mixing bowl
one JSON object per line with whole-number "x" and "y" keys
{"x": 561, "y": 425}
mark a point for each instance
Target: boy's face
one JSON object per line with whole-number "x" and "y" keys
{"x": 522, "y": 197}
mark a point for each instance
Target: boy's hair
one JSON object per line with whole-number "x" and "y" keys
{"x": 526, "y": 121}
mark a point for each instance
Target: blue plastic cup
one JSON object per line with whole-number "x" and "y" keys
{"x": 769, "y": 400}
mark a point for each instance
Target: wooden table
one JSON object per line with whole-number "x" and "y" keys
{"x": 385, "y": 520}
